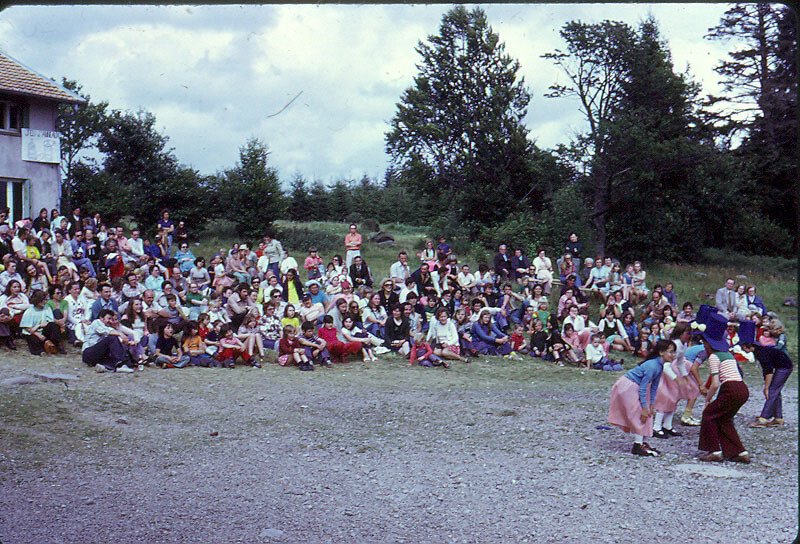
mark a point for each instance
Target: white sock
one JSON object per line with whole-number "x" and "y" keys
{"x": 668, "y": 420}
{"x": 657, "y": 421}
{"x": 638, "y": 439}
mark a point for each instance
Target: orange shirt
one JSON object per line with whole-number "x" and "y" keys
{"x": 192, "y": 344}
{"x": 354, "y": 239}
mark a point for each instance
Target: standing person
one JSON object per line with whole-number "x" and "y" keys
{"x": 352, "y": 244}
{"x": 631, "y": 407}
{"x": 502, "y": 264}
{"x": 776, "y": 367}
{"x": 273, "y": 254}
{"x": 675, "y": 387}
{"x": 718, "y": 436}
{"x": 573, "y": 246}
{"x": 166, "y": 226}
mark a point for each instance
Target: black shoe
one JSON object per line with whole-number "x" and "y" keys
{"x": 306, "y": 367}
{"x": 654, "y": 452}
{"x": 10, "y": 344}
{"x": 256, "y": 364}
{"x": 671, "y": 432}
{"x": 660, "y": 434}
{"x": 642, "y": 451}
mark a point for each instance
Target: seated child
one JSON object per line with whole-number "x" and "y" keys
{"x": 518, "y": 342}
{"x": 290, "y": 350}
{"x": 166, "y": 348}
{"x": 230, "y": 348}
{"x": 194, "y": 346}
{"x": 538, "y": 339}
{"x": 316, "y": 348}
{"x": 212, "y": 338}
{"x": 596, "y": 356}
{"x": 422, "y": 354}
{"x": 340, "y": 351}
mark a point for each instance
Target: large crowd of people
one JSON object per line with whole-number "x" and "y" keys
{"x": 131, "y": 301}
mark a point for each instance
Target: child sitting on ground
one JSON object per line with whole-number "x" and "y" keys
{"x": 315, "y": 347}
{"x": 194, "y": 346}
{"x": 166, "y": 347}
{"x": 538, "y": 339}
{"x": 230, "y": 348}
{"x": 290, "y": 350}
{"x": 422, "y": 354}
{"x": 596, "y": 356}
{"x": 518, "y": 342}
{"x": 212, "y": 339}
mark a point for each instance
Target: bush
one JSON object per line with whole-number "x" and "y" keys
{"x": 756, "y": 234}
{"x": 301, "y": 238}
{"x": 549, "y": 230}
{"x": 369, "y": 225}
{"x": 353, "y": 217}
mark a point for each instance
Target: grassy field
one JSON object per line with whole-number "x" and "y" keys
{"x": 775, "y": 278}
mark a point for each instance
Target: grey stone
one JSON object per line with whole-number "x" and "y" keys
{"x": 19, "y": 380}
{"x": 56, "y": 377}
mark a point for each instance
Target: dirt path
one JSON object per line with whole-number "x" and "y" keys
{"x": 493, "y": 452}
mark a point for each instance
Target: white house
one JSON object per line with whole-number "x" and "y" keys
{"x": 30, "y": 156}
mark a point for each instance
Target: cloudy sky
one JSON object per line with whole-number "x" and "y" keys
{"x": 216, "y": 75}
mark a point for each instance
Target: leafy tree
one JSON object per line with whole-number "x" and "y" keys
{"x": 596, "y": 63}
{"x": 252, "y": 192}
{"x": 650, "y": 139}
{"x": 136, "y": 158}
{"x": 79, "y": 126}
{"x": 459, "y": 128}
{"x": 95, "y": 189}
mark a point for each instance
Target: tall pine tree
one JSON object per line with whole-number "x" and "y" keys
{"x": 458, "y": 130}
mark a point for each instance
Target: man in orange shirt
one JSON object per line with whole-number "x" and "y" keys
{"x": 352, "y": 242}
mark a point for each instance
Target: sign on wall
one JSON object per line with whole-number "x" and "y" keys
{"x": 41, "y": 146}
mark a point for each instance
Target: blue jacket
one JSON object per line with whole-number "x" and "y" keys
{"x": 649, "y": 372}
{"x": 480, "y": 333}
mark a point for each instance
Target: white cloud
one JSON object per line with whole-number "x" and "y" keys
{"x": 214, "y": 74}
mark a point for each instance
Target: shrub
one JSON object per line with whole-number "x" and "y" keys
{"x": 301, "y": 238}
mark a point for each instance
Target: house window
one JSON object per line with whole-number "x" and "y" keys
{"x": 10, "y": 116}
{"x": 12, "y": 196}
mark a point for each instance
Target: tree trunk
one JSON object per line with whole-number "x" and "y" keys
{"x": 599, "y": 208}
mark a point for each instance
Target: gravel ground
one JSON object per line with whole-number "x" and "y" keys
{"x": 491, "y": 452}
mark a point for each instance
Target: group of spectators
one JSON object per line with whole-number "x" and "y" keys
{"x": 128, "y": 301}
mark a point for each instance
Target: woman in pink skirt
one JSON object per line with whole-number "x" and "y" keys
{"x": 674, "y": 387}
{"x": 632, "y": 397}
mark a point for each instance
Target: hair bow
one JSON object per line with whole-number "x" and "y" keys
{"x": 698, "y": 326}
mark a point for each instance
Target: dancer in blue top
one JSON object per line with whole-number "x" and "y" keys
{"x": 632, "y": 397}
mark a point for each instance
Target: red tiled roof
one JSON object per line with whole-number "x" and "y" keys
{"x": 17, "y": 78}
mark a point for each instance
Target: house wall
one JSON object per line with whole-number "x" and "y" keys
{"x": 44, "y": 179}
